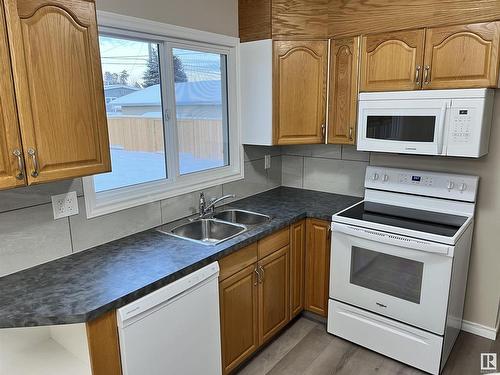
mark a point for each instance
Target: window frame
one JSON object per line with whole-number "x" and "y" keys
{"x": 168, "y": 37}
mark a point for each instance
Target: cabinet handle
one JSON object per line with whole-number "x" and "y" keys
{"x": 261, "y": 275}
{"x": 257, "y": 278}
{"x": 427, "y": 79}
{"x": 20, "y": 164}
{"x": 417, "y": 75}
{"x": 32, "y": 153}
{"x": 350, "y": 133}
{"x": 323, "y": 131}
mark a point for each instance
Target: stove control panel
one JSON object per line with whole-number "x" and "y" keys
{"x": 433, "y": 184}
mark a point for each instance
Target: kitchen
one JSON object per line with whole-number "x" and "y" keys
{"x": 304, "y": 159}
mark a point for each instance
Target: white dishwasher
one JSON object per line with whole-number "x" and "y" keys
{"x": 174, "y": 330}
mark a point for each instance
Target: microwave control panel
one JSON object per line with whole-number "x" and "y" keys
{"x": 425, "y": 183}
{"x": 461, "y": 125}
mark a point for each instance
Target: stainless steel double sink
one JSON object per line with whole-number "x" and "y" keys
{"x": 219, "y": 227}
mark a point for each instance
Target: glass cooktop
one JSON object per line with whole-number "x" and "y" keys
{"x": 408, "y": 218}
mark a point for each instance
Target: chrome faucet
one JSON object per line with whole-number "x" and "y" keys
{"x": 209, "y": 209}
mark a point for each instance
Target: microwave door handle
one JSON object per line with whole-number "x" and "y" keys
{"x": 440, "y": 134}
{"x": 392, "y": 239}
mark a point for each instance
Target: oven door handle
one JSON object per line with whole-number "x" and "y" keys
{"x": 392, "y": 239}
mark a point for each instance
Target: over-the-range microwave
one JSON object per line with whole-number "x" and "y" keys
{"x": 426, "y": 122}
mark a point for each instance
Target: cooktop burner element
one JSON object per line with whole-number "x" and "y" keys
{"x": 408, "y": 218}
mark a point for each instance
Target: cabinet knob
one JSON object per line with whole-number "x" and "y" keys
{"x": 35, "y": 172}
{"x": 20, "y": 164}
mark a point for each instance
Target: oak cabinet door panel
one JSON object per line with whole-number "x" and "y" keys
{"x": 59, "y": 88}
{"x": 274, "y": 291}
{"x": 299, "y": 91}
{"x": 12, "y": 172}
{"x": 317, "y": 266}
{"x": 392, "y": 61}
{"x": 297, "y": 267}
{"x": 464, "y": 56}
{"x": 239, "y": 324}
{"x": 344, "y": 59}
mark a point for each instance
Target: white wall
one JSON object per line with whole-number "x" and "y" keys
{"x": 217, "y": 16}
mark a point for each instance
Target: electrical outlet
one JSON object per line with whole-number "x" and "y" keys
{"x": 267, "y": 161}
{"x": 65, "y": 205}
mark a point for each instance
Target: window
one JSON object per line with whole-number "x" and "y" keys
{"x": 172, "y": 114}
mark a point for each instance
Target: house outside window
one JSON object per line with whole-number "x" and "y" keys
{"x": 172, "y": 113}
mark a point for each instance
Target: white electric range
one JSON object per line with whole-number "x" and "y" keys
{"x": 399, "y": 263}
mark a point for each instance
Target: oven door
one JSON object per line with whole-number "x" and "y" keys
{"x": 402, "y": 126}
{"x": 399, "y": 277}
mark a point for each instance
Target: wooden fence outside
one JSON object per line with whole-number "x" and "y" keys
{"x": 201, "y": 138}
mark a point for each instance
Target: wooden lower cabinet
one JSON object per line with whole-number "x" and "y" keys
{"x": 254, "y": 290}
{"x": 297, "y": 267}
{"x": 274, "y": 293}
{"x": 239, "y": 314}
{"x": 317, "y": 266}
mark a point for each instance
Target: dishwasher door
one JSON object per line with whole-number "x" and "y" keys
{"x": 174, "y": 330}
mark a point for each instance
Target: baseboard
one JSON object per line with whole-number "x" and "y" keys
{"x": 479, "y": 329}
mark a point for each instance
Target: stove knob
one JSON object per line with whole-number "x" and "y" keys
{"x": 451, "y": 185}
{"x": 375, "y": 176}
{"x": 462, "y": 187}
{"x": 386, "y": 178}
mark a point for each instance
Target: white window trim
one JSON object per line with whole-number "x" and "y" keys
{"x": 132, "y": 196}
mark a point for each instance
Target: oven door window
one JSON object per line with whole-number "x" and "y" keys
{"x": 388, "y": 274}
{"x": 401, "y": 128}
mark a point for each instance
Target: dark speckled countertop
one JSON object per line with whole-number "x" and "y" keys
{"x": 82, "y": 286}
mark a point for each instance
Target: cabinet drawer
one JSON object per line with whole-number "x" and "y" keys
{"x": 274, "y": 242}
{"x": 238, "y": 260}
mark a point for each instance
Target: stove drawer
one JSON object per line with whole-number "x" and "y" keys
{"x": 407, "y": 344}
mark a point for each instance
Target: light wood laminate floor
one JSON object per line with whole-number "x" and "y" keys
{"x": 305, "y": 348}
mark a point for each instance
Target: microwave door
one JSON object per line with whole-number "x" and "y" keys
{"x": 410, "y": 130}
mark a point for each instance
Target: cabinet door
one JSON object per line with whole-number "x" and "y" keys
{"x": 299, "y": 91}
{"x": 238, "y": 309}
{"x": 59, "y": 87}
{"x": 274, "y": 293}
{"x": 344, "y": 59}
{"x": 11, "y": 172}
{"x": 462, "y": 56}
{"x": 392, "y": 61}
{"x": 317, "y": 266}
{"x": 297, "y": 267}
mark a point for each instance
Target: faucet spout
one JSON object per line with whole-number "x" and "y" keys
{"x": 208, "y": 209}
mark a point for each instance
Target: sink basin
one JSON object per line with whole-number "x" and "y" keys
{"x": 206, "y": 231}
{"x": 242, "y": 217}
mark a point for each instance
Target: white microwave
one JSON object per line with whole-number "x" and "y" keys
{"x": 426, "y": 122}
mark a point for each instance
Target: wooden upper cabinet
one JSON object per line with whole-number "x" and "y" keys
{"x": 11, "y": 172}
{"x": 317, "y": 266}
{"x": 59, "y": 88}
{"x": 464, "y": 56}
{"x": 299, "y": 91}
{"x": 344, "y": 63}
{"x": 392, "y": 61}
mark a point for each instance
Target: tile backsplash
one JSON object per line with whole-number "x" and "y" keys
{"x": 330, "y": 168}
{"x": 29, "y": 235}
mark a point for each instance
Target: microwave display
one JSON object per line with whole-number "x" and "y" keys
{"x": 401, "y": 128}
